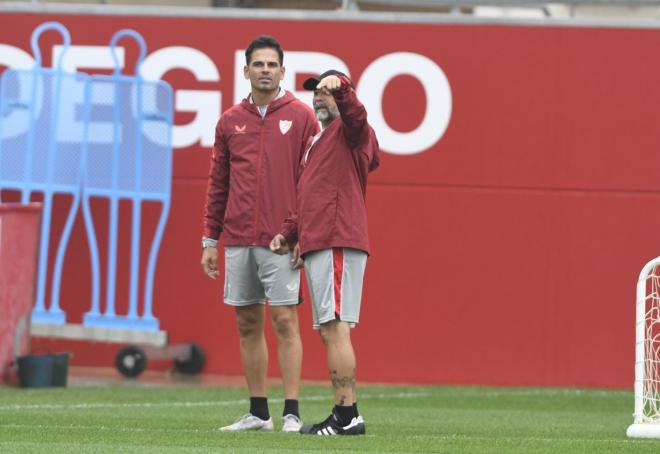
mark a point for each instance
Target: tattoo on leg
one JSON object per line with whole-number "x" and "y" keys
{"x": 342, "y": 399}
{"x": 342, "y": 382}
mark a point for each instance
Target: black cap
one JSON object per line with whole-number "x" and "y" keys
{"x": 312, "y": 82}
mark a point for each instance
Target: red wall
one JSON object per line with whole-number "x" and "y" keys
{"x": 505, "y": 254}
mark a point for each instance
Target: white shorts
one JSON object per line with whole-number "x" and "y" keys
{"x": 255, "y": 274}
{"x": 334, "y": 278}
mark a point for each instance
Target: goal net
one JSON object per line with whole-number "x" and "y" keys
{"x": 646, "y": 422}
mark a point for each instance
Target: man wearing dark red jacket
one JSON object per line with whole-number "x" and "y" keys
{"x": 251, "y": 188}
{"x": 330, "y": 228}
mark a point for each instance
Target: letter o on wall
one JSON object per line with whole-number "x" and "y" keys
{"x": 372, "y": 85}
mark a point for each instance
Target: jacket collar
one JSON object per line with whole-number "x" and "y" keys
{"x": 283, "y": 98}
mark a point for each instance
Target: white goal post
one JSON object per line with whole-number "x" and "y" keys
{"x": 646, "y": 422}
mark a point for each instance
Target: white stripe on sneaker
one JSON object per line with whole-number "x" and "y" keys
{"x": 354, "y": 422}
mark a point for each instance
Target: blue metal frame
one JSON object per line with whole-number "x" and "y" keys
{"x": 41, "y": 153}
{"x": 127, "y": 181}
{"x": 60, "y": 174}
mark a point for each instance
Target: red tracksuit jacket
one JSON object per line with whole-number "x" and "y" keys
{"x": 254, "y": 170}
{"x": 331, "y": 209}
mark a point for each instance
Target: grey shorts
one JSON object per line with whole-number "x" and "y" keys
{"x": 334, "y": 277}
{"x": 255, "y": 274}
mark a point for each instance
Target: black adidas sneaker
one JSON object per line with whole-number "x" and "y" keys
{"x": 331, "y": 426}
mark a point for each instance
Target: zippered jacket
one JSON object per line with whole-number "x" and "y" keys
{"x": 331, "y": 207}
{"x": 254, "y": 170}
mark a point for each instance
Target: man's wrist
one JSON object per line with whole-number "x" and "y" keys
{"x": 209, "y": 242}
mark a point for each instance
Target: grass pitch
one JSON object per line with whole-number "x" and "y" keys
{"x": 143, "y": 419}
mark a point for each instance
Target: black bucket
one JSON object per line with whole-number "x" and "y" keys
{"x": 60, "y": 368}
{"x": 42, "y": 371}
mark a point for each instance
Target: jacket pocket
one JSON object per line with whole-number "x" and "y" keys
{"x": 320, "y": 217}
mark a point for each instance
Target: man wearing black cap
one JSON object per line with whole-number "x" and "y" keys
{"x": 330, "y": 228}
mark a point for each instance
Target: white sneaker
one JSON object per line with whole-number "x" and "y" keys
{"x": 249, "y": 422}
{"x": 291, "y": 423}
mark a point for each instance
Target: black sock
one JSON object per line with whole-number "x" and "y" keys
{"x": 291, "y": 407}
{"x": 355, "y": 410}
{"x": 259, "y": 407}
{"x": 344, "y": 414}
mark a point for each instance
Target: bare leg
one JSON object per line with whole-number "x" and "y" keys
{"x": 285, "y": 323}
{"x": 336, "y": 336}
{"x": 254, "y": 352}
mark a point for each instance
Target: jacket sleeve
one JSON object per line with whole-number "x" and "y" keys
{"x": 359, "y": 135}
{"x": 217, "y": 188}
{"x": 289, "y": 228}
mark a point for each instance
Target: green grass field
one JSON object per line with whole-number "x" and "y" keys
{"x": 137, "y": 419}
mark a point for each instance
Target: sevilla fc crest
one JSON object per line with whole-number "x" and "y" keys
{"x": 285, "y": 125}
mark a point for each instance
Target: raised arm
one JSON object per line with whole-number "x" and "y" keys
{"x": 358, "y": 134}
{"x": 352, "y": 111}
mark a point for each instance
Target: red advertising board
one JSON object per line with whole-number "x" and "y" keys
{"x": 513, "y": 209}
{"x": 19, "y": 230}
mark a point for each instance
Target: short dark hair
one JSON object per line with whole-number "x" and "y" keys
{"x": 264, "y": 42}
